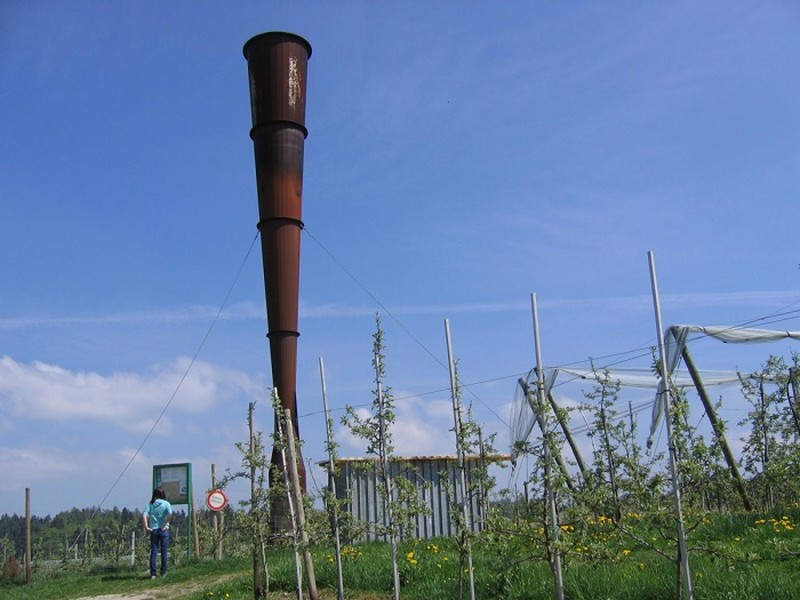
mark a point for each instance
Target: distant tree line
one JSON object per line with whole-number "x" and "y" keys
{"x": 79, "y": 533}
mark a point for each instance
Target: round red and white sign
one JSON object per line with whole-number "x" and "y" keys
{"x": 216, "y": 500}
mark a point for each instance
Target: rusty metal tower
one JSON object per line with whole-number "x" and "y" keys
{"x": 277, "y": 67}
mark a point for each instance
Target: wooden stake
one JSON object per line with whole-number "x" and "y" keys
{"x": 333, "y": 506}
{"x": 299, "y": 509}
{"x": 258, "y": 592}
{"x": 28, "y": 553}
{"x": 717, "y": 427}
{"x": 385, "y": 475}
{"x": 568, "y": 435}
{"x": 458, "y": 428}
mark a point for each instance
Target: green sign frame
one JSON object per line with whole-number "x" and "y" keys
{"x": 176, "y": 481}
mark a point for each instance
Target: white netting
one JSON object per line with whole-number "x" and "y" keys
{"x": 675, "y": 342}
{"x": 523, "y": 419}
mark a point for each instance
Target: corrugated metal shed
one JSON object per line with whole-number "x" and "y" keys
{"x": 436, "y": 482}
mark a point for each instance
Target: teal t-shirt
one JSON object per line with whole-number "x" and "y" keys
{"x": 158, "y": 512}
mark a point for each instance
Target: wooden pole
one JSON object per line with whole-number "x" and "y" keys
{"x": 299, "y": 508}
{"x": 717, "y": 427}
{"x": 612, "y": 466}
{"x": 258, "y": 592}
{"x": 282, "y": 449}
{"x": 554, "y": 454}
{"x": 484, "y": 493}
{"x": 793, "y": 401}
{"x": 568, "y": 435}
{"x": 387, "y": 480}
{"x": 765, "y": 440}
{"x": 764, "y": 426}
{"x": 458, "y": 428}
{"x": 195, "y": 532}
{"x": 333, "y": 506}
{"x": 28, "y": 553}
{"x": 673, "y": 454}
{"x": 216, "y": 518}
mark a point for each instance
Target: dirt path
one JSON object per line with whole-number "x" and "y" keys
{"x": 176, "y": 591}
{"x": 159, "y": 594}
{"x": 173, "y": 591}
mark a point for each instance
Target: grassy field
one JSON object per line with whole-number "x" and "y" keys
{"x": 741, "y": 557}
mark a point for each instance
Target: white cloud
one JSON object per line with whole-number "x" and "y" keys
{"x": 131, "y": 401}
{"x": 73, "y": 436}
{"x": 421, "y": 428}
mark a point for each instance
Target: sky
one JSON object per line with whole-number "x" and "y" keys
{"x": 460, "y": 157}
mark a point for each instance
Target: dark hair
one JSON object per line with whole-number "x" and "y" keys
{"x": 158, "y": 494}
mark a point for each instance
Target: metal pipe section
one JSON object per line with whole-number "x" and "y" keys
{"x": 277, "y": 67}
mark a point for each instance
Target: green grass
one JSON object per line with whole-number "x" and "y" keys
{"x": 62, "y": 583}
{"x": 732, "y": 557}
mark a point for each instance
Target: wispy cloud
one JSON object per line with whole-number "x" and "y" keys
{"x": 174, "y": 315}
{"x": 765, "y": 300}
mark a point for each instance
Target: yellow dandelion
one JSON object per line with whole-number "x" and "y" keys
{"x": 626, "y": 552}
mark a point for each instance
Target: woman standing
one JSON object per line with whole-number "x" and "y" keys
{"x": 156, "y": 521}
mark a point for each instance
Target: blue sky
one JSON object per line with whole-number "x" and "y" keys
{"x": 460, "y": 156}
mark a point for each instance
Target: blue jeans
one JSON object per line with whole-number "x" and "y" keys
{"x": 159, "y": 542}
